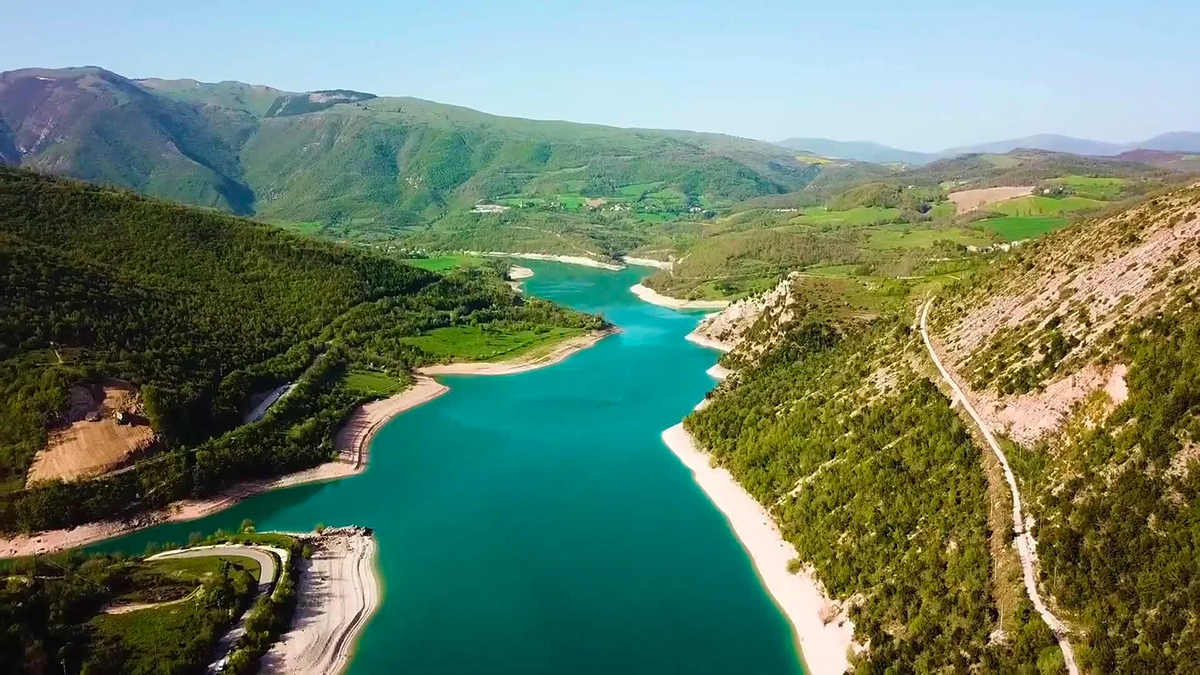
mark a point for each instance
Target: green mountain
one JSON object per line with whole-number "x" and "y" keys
{"x": 358, "y": 163}
{"x": 1078, "y": 352}
{"x": 91, "y": 124}
{"x": 199, "y": 311}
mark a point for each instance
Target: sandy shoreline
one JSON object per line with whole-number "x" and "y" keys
{"x": 705, "y": 341}
{"x": 569, "y": 259}
{"x": 516, "y": 274}
{"x": 717, "y": 372}
{"x": 560, "y": 353}
{"x": 351, "y": 441}
{"x": 646, "y": 262}
{"x": 655, "y": 298}
{"x": 825, "y": 646}
{"x": 338, "y": 593}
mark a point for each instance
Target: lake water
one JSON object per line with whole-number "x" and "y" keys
{"x": 535, "y": 523}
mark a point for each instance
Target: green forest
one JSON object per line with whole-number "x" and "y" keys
{"x": 201, "y": 311}
{"x": 1116, "y": 500}
{"x": 878, "y": 484}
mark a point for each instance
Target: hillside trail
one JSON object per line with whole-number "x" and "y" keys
{"x": 1026, "y": 545}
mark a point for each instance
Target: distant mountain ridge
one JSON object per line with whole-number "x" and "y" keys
{"x": 1174, "y": 141}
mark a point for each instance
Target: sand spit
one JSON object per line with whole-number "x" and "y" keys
{"x": 569, "y": 259}
{"x": 560, "y": 353}
{"x": 825, "y": 634}
{"x": 646, "y": 262}
{"x": 717, "y": 372}
{"x": 354, "y": 437}
{"x": 515, "y": 274}
{"x": 655, "y": 298}
{"x": 339, "y": 592}
{"x": 351, "y": 442}
{"x": 704, "y": 341}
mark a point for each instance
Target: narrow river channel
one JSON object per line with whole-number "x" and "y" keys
{"x": 535, "y": 523}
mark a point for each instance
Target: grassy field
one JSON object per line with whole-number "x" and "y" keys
{"x": 472, "y": 343}
{"x": 637, "y": 189}
{"x": 372, "y": 383}
{"x": 863, "y": 215}
{"x": 1041, "y": 206}
{"x": 201, "y": 567}
{"x": 900, "y": 236}
{"x": 445, "y": 262}
{"x": 1016, "y": 228}
{"x": 1104, "y": 189}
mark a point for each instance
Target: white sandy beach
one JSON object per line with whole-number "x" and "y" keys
{"x": 655, "y": 298}
{"x": 646, "y": 262}
{"x": 717, "y": 372}
{"x": 560, "y": 352}
{"x": 569, "y": 259}
{"x": 338, "y": 594}
{"x": 826, "y": 646}
{"x": 705, "y": 341}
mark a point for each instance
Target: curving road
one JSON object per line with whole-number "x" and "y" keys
{"x": 263, "y": 556}
{"x": 267, "y": 558}
{"x": 1026, "y": 545}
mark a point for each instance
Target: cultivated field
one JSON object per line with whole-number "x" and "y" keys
{"x": 92, "y": 442}
{"x": 969, "y": 200}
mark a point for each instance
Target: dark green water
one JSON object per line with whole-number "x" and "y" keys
{"x": 535, "y": 523}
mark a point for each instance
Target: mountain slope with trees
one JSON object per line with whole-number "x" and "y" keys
{"x": 201, "y": 311}
{"x": 1079, "y": 351}
{"x": 349, "y": 159}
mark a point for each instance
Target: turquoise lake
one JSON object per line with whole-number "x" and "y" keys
{"x": 535, "y": 523}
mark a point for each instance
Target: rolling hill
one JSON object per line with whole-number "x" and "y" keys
{"x": 1079, "y": 353}
{"x": 194, "y": 312}
{"x": 361, "y": 163}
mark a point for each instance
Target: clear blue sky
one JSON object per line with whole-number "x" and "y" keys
{"x": 918, "y": 75}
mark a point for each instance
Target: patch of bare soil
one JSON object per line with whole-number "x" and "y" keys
{"x": 1027, "y": 418}
{"x": 102, "y": 429}
{"x": 969, "y": 200}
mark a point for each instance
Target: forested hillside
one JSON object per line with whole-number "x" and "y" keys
{"x": 1080, "y": 352}
{"x": 877, "y": 483}
{"x": 201, "y": 311}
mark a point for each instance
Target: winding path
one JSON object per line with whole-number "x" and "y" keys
{"x": 1026, "y": 545}
{"x": 268, "y": 559}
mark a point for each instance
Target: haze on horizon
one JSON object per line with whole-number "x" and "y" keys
{"x": 922, "y": 78}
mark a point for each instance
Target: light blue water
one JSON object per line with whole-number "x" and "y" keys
{"x": 535, "y": 523}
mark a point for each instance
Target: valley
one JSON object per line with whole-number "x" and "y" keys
{"x": 947, "y": 420}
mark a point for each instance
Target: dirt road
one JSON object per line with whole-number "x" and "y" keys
{"x": 1026, "y": 545}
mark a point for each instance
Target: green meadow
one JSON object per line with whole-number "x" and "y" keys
{"x": 863, "y": 215}
{"x": 900, "y": 236}
{"x": 372, "y": 383}
{"x": 1092, "y": 187}
{"x": 1016, "y": 228}
{"x": 1040, "y": 206}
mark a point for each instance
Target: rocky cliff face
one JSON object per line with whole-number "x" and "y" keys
{"x": 763, "y": 317}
